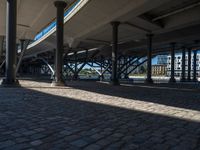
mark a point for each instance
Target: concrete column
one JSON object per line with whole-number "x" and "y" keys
{"x": 11, "y": 25}
{"x": 149, "y": 59}
{"x": 189, "y": 65}
{"x": 183, "y": 66}
{"x": 114, "y": 78}
{"x": 172, "y": 79}
{"x": 60, "y": 5}
{"x": 195, "y": 66}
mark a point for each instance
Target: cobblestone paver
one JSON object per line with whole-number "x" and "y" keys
{"x": 94, "y": 116}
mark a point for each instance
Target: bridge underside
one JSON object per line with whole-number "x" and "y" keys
{"x": 114, "y": 35}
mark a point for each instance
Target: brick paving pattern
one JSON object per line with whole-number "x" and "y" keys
{"x": 94, "y": 116}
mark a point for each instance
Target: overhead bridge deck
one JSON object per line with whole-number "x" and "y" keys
{"x": 90, "y": 26}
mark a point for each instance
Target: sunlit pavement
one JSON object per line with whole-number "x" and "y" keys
{"x": 89, "y": 115}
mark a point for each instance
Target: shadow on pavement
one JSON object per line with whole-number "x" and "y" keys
{"x": 32, "y": 119}
{"x": 168, "y": 95}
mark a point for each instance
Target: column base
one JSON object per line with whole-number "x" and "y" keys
{"x": 189, "y": 80}
{"x": 183, "y": 80}
{"x": 101, "y": 77}
{"x": 126, "y": 77}
{"x": 7, "y": 83}
{"x": 194, "y": 80}
{"x": 115, "y": 83}
{"x": 58, "y": 83}
{"x": 172, "y": 80}
{"x": 75, "y": 77}
{"x": 148, "y": 81}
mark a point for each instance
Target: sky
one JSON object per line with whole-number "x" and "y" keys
{"x": 154, "y": 60}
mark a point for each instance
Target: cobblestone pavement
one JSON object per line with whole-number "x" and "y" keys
{"x": 93, "y": 116}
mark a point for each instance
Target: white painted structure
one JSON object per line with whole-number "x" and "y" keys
{"x": 178, "y": 65}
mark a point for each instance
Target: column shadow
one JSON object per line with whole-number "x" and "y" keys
{"x": 33, "y": 119}
{"x": 181, "y": 96}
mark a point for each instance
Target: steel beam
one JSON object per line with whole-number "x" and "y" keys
{"x": 136, "y": 67}
{"x": 24, "y": 45}
{"x": 122, "y": 71}
{"x": 94, "y": 68}
{"x": 70, "y": 68}
{"x": 48, "y": 65}
{"x": 129, "y": 65}
{"x": 126, "y": 63}
{"x": 2, "y": 64}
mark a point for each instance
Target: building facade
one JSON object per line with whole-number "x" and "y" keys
{"x": 159, "y": 70}
{"x": 178, "y": 65}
